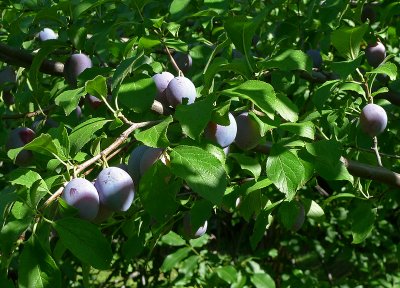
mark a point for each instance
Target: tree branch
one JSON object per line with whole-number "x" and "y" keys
{"x": 22, "y": 58}
{"x": 103, "y": 153}
{"x": 356, "y": 168}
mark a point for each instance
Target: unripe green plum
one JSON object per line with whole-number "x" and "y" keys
{"x": 179, "y": 88}
{"x": 316, "y": 58}
{"x": 47, "y": 34}
{"x": 150, "y": 156}
{"x": 248, "y": 132}
{"x": 373, "y": 119}
{"x": 116, "y": 189}
{"x": 18, "y": 138}
{"x": 74, "y": 66}
{"x": 162, "y": 80}
{"x": 134, "y": 162}
{"x": 223, "y": 135}
{"x": 375, "y": 54}
{"x": 183, "y": 60}
{"x": 188, "y": 228}
{"x": 81, "y": 194}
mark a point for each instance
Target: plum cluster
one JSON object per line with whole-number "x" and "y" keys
{"x": 174, "y": 90}
{"x": 113, "y": 190}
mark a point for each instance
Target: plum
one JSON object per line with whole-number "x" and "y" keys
{"x": 161, "y": 80}
{"x": 178, "y": 88}
{"x": 183, "y": 60}
{"x": 188, "y": 228}
{"x": 93, "y": 101}
{"x": 300, "y": 217}
{"x": 81, "y": 194}
{"x": 8, "y": 98}
{"x": 18, "y": 138}
{"x": 375, "y": 54}
{"x": 134, "y": 162}
{"x": 316, "y": 58}
{"x": 223, "y": 135}
{"x": 8, "y": 78}
{"x": 47, "y": 34}
{"x": 103, "y": 214}
{"x": 368, "y": 13}
{"x": 149, "y": 157}
{"x": 373, "y": 119}
{"x": 116, "y": 189}
{"x": 248, "y": 132}
{"x": 75, "y": 65}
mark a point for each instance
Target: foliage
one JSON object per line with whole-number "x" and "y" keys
{"x": 247, "y": 56}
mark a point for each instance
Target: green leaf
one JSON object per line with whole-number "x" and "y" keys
{"x": 303, "y": 129}
{"x": 262, "y": 280}
{"x": 84, "y": 132}
{"x": 263, "y": 95}
{"x": 221, "y": 64}
{"x": 241, "y": 29}
{"x": 248, "y": 164}
{"x": 347, "y": 40}
{"x": 227, "y": 273}
{"x": 173, "y": 239}
{"x": 148, "y": 42}
{"x": 288, "y": 61}
{"x": 312, "y": 208}
{"x": 10, "y": 233}
{"x": 345, "y": 68}
{"x": 387, "y": 68}
{"x": 285, "y": 170}
{"x": 178, "y": 8}
{"x": 199, "y": 242}
{"x": 36, "y": 267}
{"x": 173, "y": 259}
{"x": 68, "y": 100}
{"x": 155, "y": 136}
{"x": 85, "y": 241}
{"x": 259, "y": 228}
{"x": 349, "y": 86}
{"x": 188, "y": 116}
{"x": 290, "y": 214}
{"x": 125, "y": 68}
{"x": 157, "y": 183}
{"x": 139, "y": 95}
{"x": 362, "y": 216}
{"x": 327, "y": 160}
{"x": 97, "y": 86}
{"x": 322, "y": 94}
{"x": 44, "y": 145}
{"x": 201, "y": 170}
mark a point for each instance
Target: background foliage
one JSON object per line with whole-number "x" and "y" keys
{"x": 247, "y": 55}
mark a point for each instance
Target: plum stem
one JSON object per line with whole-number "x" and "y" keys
{"x": 180, "y": 73}
{"x": 29, "y": 114}
{"x": 375, "y": 149}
